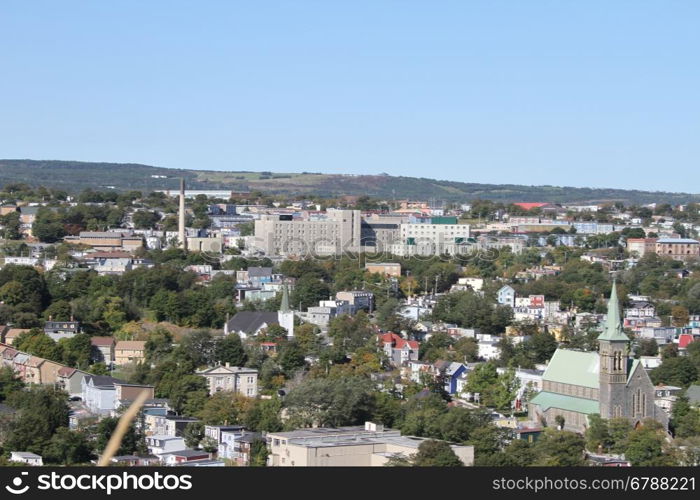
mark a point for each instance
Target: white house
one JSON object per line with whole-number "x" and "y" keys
{"x": 506, "y": 296}
{"x": 488, "y": 349}
{"x": 99, "y": 393}
{"x": 159, "y": 444}
{"x": 26, "y": 457}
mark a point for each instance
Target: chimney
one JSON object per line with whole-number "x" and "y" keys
{"x": 181, "y": 217}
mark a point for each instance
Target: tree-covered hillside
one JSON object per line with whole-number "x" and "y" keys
{"x": 75, "y": 176}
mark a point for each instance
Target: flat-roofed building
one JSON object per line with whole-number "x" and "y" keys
{"x": 107, "y": 240}
{"x": 356, "y": 446}
{"x": 392, "y": 269}
{"x": 639, "y": 247}
{"x": 331, "y": 233}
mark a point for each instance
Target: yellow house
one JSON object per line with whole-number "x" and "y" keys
{"x": 129, "y": 351}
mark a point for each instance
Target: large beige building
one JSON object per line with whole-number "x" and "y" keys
{"x": 129, "y": 351}
{"x": 678, "y": 248}
{"x": 332, "y": 233}
{"x": 368, "y": 446}
{"x": 107, "y": 240}
{"x": 231, "y": 378}
{"x": 431, "y": 239}
{"x": 641, "y": 246}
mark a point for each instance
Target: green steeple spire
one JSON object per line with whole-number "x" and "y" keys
{"x": 613, "y": 325}
{"x": 284, "y": 306}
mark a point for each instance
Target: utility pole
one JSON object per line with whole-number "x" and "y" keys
{"x": 436, "y": 285}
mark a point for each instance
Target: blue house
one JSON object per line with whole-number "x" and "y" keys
{"x": 452, "y": 374}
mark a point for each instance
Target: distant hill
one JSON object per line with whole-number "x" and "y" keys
{"x": 74, "y": 176}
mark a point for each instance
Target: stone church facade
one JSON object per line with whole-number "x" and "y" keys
{"x": 609, "y": 382}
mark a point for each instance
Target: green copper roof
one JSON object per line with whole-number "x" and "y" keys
{"x": 631, "y": 367}
{"x": 546, "y": 400}
{"x": 613, "y": 325}
{"x": 573, "y": 367}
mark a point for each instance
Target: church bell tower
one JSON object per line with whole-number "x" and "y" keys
{"x": 614, "y": 354}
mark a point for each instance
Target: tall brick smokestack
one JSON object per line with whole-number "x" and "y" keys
{"x": 181, "y": 216}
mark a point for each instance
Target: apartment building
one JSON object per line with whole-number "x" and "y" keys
{"x": 329, "y": 233}
{"x": 107, "y": 240}
{"x": 639, "y": 247}
{"x": 434, "y": 238}
{"x": 379, "y": 232}
{"x": 368, "y": 446}
{"x": 678, "y": 248}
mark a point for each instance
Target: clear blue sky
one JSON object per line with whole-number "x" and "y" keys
{"x": 580, "y": 93}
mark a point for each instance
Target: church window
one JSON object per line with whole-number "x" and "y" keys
{"x": 637, "y": 402}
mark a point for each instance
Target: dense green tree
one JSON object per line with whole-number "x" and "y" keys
{"x": 351, "y": 332}
{"x": 421, "y": 415}
{"x": 307, "y": 335}
{"x": 225, "y": 408}
{"x": 432, "y": 453}
{"x": 229, "y": 349}
{"x": 290, "y": 357}
{"x": 264, "y": 415}
{"x": 468, "y": 349}
{"x": 495, "y": 390}
{"x": 489, "y": 442}
{"x": 47, "y": 226}
{"x": 645, "y": 446}
{"x": 183, "y": 388}
{"x": 685, "y": 420}
{"x": 198, "y": 347}
{"x": 331, "y": 402}
{"x": 145, "y": 219}
{"x": 258, "y": 453}
{"x": 597, "y": 434}
{"x": 193, "y": 434}
{"x": 130, "y": 443}
{"x": 647, "y": 347}
{"x": 9, "y": 382}
{"x": 619, "y": 429}
{"x": 77, "y": 350}
{"x": 159, "y": 345}
{"x": 59, "y": 310}
{"x": 10, "y": 225}
{"x": 560, "y": 448}
{"x": 678, "y": 371}
{"x": 68, "y": 447}
{"x": 308, "y": 291}
{"x": 42, "y": 410}
{"x": 470, "y": 310}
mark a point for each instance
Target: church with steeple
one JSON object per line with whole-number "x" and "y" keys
{"x": 609, "y": 382}
{"x": 285, "y": 316}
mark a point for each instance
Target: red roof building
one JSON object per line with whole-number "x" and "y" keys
{"x": 530, "y": 206}
{"x": 684, "y": 339}
{"x": 398, "y": 350}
